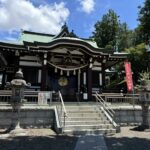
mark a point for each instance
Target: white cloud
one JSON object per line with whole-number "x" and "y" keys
{"x": 87, "y": 5}
{"x": 22, "y": 14}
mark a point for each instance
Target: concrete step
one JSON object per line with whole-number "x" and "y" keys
{"x": 78, "y": 104}
{"x": 78, "y": 114}
{"x": 82, "y": 110}
{"x": 80, "y": 127}
{"x": 80, "y": 118}
{"x": 91, "y": 108}
{"x": 85, "y": 122}
{"x": 86, "y": 119}
{"x": 90, "y": 131}
{"x": 81, "y": 107}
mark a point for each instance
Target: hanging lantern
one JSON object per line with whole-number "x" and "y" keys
{"x": 67, "y": 73}
{"x": 61, "y": 72}
{"x": 91, "y": 65}
{"x": 79, "y": 71}
{"x": 55, "y": 70}
{"x": 74, "y": 72}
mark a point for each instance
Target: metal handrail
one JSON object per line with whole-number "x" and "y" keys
{"x": 109, "y": 112}
{"x": 63, "y": 111}
{"x": 63, "y": 105}
{"x": 104, "y": 104}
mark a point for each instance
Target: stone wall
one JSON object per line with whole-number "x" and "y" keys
{"x": 126, "y": 116}
{"x": 32, "y": 117}
{"x": 38, "y": 116}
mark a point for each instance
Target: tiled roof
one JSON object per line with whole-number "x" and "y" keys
{"x": 33, "y": 36}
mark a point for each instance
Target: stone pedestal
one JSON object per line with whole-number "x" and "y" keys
{"x": 145, "y": 114}
{"x": 144, "y": 101}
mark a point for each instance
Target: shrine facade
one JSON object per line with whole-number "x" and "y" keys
{"x": 64, "y": 62}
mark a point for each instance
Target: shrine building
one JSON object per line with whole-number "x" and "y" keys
{"x": 62, "y": 62}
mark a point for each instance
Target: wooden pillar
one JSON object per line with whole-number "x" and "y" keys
{"x": 89, "y": 83}
{"x": 44, "y": 74}
{"x": 79, "y": 80}
{"x": 103, "y": 75}
{"x": 4, "y": 79}
{"x": 17, "y": 58}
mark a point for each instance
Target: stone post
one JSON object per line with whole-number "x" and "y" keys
{"x": 17, "y": 85}
{"x": 145, "y": 113}
{"x": 144, "y": 101}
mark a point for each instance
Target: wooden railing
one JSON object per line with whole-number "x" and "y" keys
{"x": 120, "y": 98}
{"x": 30, "y": 96}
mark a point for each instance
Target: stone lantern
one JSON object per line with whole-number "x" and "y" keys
{"x": 144, "y": 101}
{"x": 18, "y": 86}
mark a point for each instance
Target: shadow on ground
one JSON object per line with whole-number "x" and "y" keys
{"x": 125, "y": 143}
{"x": 54, "y": 142}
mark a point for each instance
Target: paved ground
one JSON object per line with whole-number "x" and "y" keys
{"x": 46, "y": 139}
{"x": 91, "y": 142}
{"x": 129, "y": 139}
{"x": 39, "y": 139}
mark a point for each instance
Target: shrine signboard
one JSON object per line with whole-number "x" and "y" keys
{"x": 43, "y": 97}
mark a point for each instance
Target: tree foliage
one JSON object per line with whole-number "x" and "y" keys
{"x": 106, "y": 30}
{"x": 125, "y": 37}
{"x": 144, "y": 19}
{"x": 111, "y": 34}
{"x": 139, "y": 59}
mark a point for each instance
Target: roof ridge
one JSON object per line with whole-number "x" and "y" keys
{"x": 37, "y": 33}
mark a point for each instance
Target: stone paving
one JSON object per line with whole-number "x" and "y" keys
{"x": 39, "y": 139}
{"x": 91, "y": 142}
{"x": 46, "y": 139}
{"x": 128, "y": 139}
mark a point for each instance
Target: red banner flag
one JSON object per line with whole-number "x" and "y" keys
{"x": 129, "y": 80}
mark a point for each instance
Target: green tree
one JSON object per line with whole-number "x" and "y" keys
{"x": 106, "y": 30}
{"x": 139, "y": 59}
{"x": 111, "y": 34}
{"x": 144, "y": 19}
{"x": 125, "y": 37}
{"x": 136, "y": 36}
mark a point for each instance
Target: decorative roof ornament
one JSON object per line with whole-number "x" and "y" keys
{"x": 65, "y": 32}
{"x": 64, "y": 26}
{"x": 72, "y": 34}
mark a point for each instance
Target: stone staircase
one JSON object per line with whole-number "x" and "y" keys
{"x": 87, "y": 119}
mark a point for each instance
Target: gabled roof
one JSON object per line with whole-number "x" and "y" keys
{"x": 42, "y": 42}
{"x": 33, "y": 37}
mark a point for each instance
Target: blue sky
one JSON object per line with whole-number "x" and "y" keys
{"x": 49, "y": 15}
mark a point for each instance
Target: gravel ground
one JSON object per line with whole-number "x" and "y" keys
{"x": 129, "y": 139}
{"x": 39, "y": 139}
